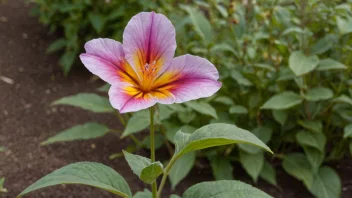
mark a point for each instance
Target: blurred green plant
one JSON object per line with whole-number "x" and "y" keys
{"x": 286, "y": 71}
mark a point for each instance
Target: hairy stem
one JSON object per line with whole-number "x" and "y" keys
{"x": 152, "y": 147}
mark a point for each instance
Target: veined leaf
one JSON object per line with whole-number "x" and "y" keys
{"x": 222, "y": 168}
{"x": 280, "y": 116}
{"x": 282, "y": 101}
{"x": 85, "y": 131}
{"x": 314, "y": 156}
{"x": 297, "y": 165}
{"x": 344, "y": 99}
{"x": 315, "y": 140}
{"x": 181, "y": 168}
{"x": 87, "y": 101}
{"x": 318, "y": 93}
{"x": 146, "y": 170}
{"x": 312, "y": 125}
{"x": 264, "y": 133}
{"x": 252, "y": 163}
{"x": 301, "y": 64}
{"x": 138, "y": 122}
{"x": 223, "y": 189}
{"x": 86, "y": 173}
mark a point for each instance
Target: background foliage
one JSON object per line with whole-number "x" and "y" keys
{"x": 285, "y": 66}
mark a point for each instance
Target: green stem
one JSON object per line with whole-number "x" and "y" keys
{"x": 152, "y": 147}
{"x": 121, "y": 118}
{"x": 166, "y": 173}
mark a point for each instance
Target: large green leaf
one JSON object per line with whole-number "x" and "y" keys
{"x": 315, "y": 140}
{"x": 181, "y": 168}
{"x": 280, "y": 116}
{"x": 139, "y": 121}
{"x": 252, "y": 163}
{"x": 223, "y": 189}
{"x": 85, "y": 131}
{"x": 318, "y": 93}
{"x": 264, "y": 133}
{"x": 203, "y": 108}
{"x": 301, "y": 64}
{"x": 330, "y": 64}
{"x": 214, "y": 135}
{"x": 326, "y": 184}
{"x": 283, "y": 101}
{"x": 344, "y": 99}
{"x": 201, "y": 23}
{"x": 314, "y": 156}
{"x": 86, "y": 173}
{"x": 297, "y": 165}
{"x": 312, "y": 125}
{"x": 87, "y": 101}
{"x": 222, "y": 168}
{"x": 238, "y": 109}
{"x": 268, "y": 173}
{"x": 344, "y": 24}
{"x": 347, "y": 132}
{"x": 146, "y": 170}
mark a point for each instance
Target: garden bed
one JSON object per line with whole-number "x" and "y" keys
{"x": 33, "y": 80}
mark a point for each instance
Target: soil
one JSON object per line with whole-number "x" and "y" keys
{"x": 30, "y": 80}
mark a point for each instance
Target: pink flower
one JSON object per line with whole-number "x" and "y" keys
{"x": 143, "y": 71}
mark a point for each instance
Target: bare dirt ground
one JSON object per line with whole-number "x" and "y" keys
{"x": 31, "y": 80}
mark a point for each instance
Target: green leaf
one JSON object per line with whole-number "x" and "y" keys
{"x": 174, "y": 196}
{"x": 56, "y": 45}
{"x": 323, "y": 45}
{"x": 282, "y": 101}
{"x": 85, "y": 131}
{"x": 297, "y": 165}
{"x": 203, "y": 108}
{"x": 138, "y": 122}
{"x": 301, "y": 64}
{"x": 98, "y": 21}
{"x": 223, "y": 189}
{"x": 181, "y": 168}
{"x": 344, "y": 25}
{"x": 159, "y": 141}
{"x": 201, "y": 23}
{"x": 240, "y": 78}
{"x": 350, "y": 147}
{"x": 67, "y": 59}
{"x": 104, "y": 88}
{"x": 330, "y": 64}
{"x": 87, "y": 101}
{"x": 268, "y": 173}
{"x": 280, "y": 116}
{"x": 222, "y": 168}
{"x": 343, "y": 99}
{"x": 315, "y": 140}
{"x": 252, "y": 163}
{"x": 215, "y": 135}
{"x": 2, "y": 188}
{"x": 2, "y": 149}
{"x": 164, "y": 112}
{"x": 86, "y": 173}
{"x": 264, "y": 133}
{"x": 312, "y": 125}
{"x": 347, "y": 132}
{"x": 143, "y": 194}
{"x": 238, "y": 109}
{"x": 146, "y": 170}
{"x": 318, "y": 93}
{"x": 314, "y": 156}
{"x": 326, "y": 184}
{"x": 224, "y": 100}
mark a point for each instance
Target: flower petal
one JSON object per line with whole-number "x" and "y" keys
{"x": 126, "y": 98}
{"x": 106, "y": 59}
{"x": 189, "y": 77}
{"x": 149, "y": 37}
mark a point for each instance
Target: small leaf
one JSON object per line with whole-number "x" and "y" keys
{"x": 301, "y": 64}
{"x": 344, "y": 99}
{"x": 282, "y": 101}
{"x": 315, "y": 140}
{"x": 326, "y": 184}
{"x": 181, "y": 168}
{"x": 297, "y": 165}
{"x": 203, "y": 108}
{"x": 138, "y": 122}
{"x": 240, "y": 78}
{"x": 215, "y": 135}
{"x": 252, "y": 163}
{"x": 201, "y": 23}
{"x": 222, "y": 168}
{"x": 330, "y": 64}
{"x": 146, "y": 170}
{"x": 312, "y": 125}
{"x": 323, "y": 45}
{"x": 86, "y": 173}
{"x": 98, "y": 21}
{"x": 2, "y": 188}
{"x": 318, "y": 93}
{"x": 159, "y": 141}
{"x": 56, "y": 45}
{"x": 85, "y": 131}
{"x": 344, "y": 25}
{"x": 347, "y": 132}
{"x": 87, "y": 101}
{"x": 238, "y": 109}
{"x": 223, "y": 189}
{"x": 104, "y": 88}
{"x": 143, "y": 194}
{"x": 164, "y": 112}
{"x": 224, "y": 100}
{"x": 280, "y": 116}
{"x": 314, "y": 156}
{"x": 67, "y": 59}
{"x": 268, "y": 173}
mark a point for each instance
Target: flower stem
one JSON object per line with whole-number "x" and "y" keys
{"x": 166, "y": 173}
{"x": 152, "y": 147}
